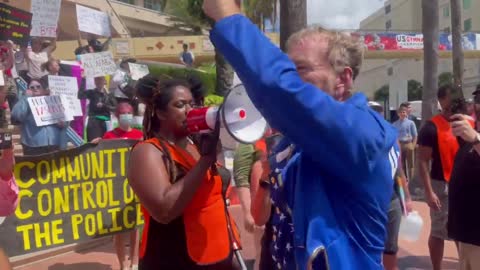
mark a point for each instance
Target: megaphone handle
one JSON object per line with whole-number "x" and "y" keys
{"x": 240, "y": 260}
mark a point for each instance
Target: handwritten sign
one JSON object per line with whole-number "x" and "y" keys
{"x": 45, "y": 17}
{"x": 98, "y": 64}
{"x": 67, "y": 87}
{"x": 138, "y": 71}
{"x": 49, "y": 110}
{"x": 93, "y": 21}
{"x": 14, "y": 24}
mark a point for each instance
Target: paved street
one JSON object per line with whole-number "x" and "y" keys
{"x": 414, "y": 256}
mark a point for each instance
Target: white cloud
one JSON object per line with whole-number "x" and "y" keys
{"x": 340, "y": 14}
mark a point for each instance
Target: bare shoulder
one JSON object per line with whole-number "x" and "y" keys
{"x": 145, "y": 151}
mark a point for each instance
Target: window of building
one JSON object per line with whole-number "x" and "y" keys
{"x": 388, "y": 25}
{"x": 467, "y": 4}
{"x": 390, "y": 71}
{"x": 388, "y": 8}
{"x": 446, "y": 11}
{"x": 467, "y": 25}
{"x": 152, "y": 4}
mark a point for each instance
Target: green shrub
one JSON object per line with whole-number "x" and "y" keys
{"x": 213, "y": 100}
{"x": 207, "y": 78}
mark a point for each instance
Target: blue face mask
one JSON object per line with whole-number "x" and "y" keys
{"x": 125, "y": 120}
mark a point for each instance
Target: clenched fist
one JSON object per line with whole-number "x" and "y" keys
{"x": 219, "y": 9}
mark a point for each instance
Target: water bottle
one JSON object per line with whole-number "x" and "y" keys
{"x": 411, "y": 227}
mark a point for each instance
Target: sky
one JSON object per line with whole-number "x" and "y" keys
{"x": 340, "y": 14}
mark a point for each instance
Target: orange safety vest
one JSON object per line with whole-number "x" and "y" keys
{"x": 211, "y": 234}
{"x": 447, "y": 144}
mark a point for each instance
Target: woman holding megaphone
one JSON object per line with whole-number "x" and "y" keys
{"x": 187, "y": 225}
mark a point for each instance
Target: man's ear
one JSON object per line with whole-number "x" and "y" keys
{"x": 346, "y": 78}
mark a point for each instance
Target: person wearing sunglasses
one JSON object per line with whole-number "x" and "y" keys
{"x": 38, "y": 140}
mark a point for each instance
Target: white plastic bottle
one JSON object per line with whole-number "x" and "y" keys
{"x": 411, "y": 227}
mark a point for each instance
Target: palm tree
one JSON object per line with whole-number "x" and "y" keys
{"x": 430, "y": 23}
{"x": 293, "y": 17}
{"x": 189, "y": 14}
{"x": 457, "y": 50}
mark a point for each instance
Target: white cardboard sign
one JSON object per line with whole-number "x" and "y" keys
{"x": 98, "y": 64}
{"x": 67, "y": 87}
{"x": 49, "y": 110}
{"x": 93, "y": 21}
{"x": 45, "y": 17}
{"x": 138, "y": 71}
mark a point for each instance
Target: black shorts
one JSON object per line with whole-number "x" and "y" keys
{"x": 393, "y": 227}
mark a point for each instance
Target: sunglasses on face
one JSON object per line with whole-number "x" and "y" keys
{"x": 35, "y": 87}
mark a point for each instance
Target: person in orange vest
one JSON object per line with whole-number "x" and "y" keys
{"x": 187, "y": 224}
{"x": 437, "y": 145}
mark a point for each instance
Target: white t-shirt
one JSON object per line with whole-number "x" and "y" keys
{"x": 35, "y": 62}
{"x": 120, "y": 78}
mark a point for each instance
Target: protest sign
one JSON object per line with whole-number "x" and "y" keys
{"x": 93, "y": 21}
{"x": 14, "y": 24}
{"x": 71, "y": 197}
{"x": 45, "y": 18}
{"x": 67, "y": 87}
{"x": 49, "y": 110}
{"x": 138, "y": 71}
{"x": 98, "y": 64}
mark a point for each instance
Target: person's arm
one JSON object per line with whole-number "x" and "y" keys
{"x": 413, "y": 131}
{"x": 21, "y": 110}
{"x": 242, "y": 167}
{"x": 148, "y": 177}
{"x": 181, "y": 58}
{"x": 261, "y": 205}
{"x": 106, "y": 44}
{"x": 404, "y": 183}
{"x": 111, "y": 102}
{"x": 4, "y": 262}
{"x": 52, "y": 47}
{"x": 351, "y": 136}
{"x": 427, "y": 138}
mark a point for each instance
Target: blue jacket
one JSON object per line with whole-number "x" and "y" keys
{"x": 340, "y": 183}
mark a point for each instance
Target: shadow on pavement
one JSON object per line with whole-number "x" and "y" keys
{"x": 80, "y": 266}
{"x": 423, "y": 262}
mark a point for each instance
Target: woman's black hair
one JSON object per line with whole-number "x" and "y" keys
{"x": 43, "y": 81}
{"x": 156, "y": 94}
{"x": 196, "y": 86}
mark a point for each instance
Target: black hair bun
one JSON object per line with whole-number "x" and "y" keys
{"x": 196, "y": 86}
{"x": 146, "y": 87}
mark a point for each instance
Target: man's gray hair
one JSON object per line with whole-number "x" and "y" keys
{"x": 345, "y": 50}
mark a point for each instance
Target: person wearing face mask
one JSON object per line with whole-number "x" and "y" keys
{"x": 338, "y": 186}
{"x": 124, "y": 113}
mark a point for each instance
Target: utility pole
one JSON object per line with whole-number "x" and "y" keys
{"x": 293, "y": 17}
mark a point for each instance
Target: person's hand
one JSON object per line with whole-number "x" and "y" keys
{"x": 433, "y": 201}
{"x": 8, "y": 161}
{"x": 219, "y": 9}
{"x": 96, "y": 140}
{"x": 265, "y": 166}
{"x": 208, "y": 143}
{"x": 409, "y": 205}
{"x": 462, "y": 128}
{"x": 249, "y": 223}
{"x": 99, "y": 105}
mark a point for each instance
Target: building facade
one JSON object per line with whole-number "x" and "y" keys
{"x": 406, "y": 16}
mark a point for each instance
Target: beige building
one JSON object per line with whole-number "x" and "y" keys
{"x": 406, "y": 16}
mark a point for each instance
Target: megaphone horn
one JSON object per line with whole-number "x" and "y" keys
{"x": 237, "y": 115}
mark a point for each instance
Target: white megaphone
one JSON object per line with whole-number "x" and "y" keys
{"x": 237, "y": 115}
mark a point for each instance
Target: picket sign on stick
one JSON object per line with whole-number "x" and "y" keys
{"x": 93, "y": 21}
{"x": 98, "y": 64}
{"x": 49, "y": 110}
{"x": 45, "y": 18}
{"x": 67, "y": 87}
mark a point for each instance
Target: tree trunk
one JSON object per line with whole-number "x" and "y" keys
{"x": 224, "y": 75}
{"x": 293, "y": 17}
{"x": 430, "y": 64}
{"x": 457, "y": 49}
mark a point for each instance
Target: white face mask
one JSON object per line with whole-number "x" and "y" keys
{"x": 125, "y": 120}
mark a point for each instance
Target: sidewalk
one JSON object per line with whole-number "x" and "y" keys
{"x": 413, "y": 256}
